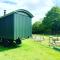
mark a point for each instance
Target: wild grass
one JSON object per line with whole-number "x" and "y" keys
{"x": 30, "y": 50}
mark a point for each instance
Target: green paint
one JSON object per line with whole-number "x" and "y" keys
{"x": 16, "y": 24}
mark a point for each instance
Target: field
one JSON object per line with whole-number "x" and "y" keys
{"x": 30, "y": 50}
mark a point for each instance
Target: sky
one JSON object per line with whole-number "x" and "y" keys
{"x": 57, "y": 3}
{"x": 38, "y": 8}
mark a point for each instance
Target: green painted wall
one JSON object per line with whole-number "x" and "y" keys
{"x": 22, "y": 25}
{"x": 16, "y": 24}
{"x": 6, "y": 27}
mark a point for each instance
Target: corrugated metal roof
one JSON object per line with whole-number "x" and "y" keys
{"x": 19, "y": 10}
{"x": 25, "y": 11}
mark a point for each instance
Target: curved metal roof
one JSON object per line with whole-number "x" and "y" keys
{"x": 25, "y": 11}
{"x": 20, "y": 10}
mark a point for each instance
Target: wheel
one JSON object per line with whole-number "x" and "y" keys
{"x": 5, "y": 43}
{"x": 18, "y": 41}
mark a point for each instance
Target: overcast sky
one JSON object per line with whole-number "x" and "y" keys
{"x": 37, "y": 7}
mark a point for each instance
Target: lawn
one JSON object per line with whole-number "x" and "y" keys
{"x": 30, "y": 50}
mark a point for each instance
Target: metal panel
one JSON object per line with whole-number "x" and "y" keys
{"x": 6, "y": 27}
{"x": 22, "y": 26}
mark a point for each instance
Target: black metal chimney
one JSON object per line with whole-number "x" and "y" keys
{"x": 4, "y": 12}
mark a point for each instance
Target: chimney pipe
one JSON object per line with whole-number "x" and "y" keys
{"x": 4, "y": 12}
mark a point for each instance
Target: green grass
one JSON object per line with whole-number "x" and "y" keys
{"x": 30, "y": 50}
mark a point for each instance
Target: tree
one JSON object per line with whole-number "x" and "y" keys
{"x": 35, "y": 27}
{"x": 52, "y": 21}
{"x": 38, "y": 28}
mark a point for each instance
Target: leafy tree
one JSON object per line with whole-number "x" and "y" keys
{"x": 52, "y": 21}
{"x": 35, "y": 27}
{"x": 38, "y": 28}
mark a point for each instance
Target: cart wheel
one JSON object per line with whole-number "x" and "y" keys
{"x": 6, "y": 43}
{"x": 18, "y": 41}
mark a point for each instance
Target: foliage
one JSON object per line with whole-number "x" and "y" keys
{"x": 50, "y": 23}
{"x": 37, "y": 28}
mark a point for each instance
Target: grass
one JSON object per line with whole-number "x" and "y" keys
{"x": 30, "y": 50}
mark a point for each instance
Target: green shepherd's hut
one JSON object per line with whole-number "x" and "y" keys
{"x": 14, "y": 25}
